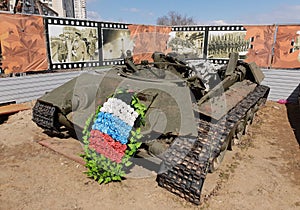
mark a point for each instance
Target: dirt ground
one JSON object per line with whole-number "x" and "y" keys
{"x": 261, "y": 173}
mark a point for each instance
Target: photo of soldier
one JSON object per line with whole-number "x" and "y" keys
{"x": 91, "y": 46}
{"x": 59, "y": 49}
{"x": 78, "y": 48}
{"x": 221, "y": 44}
{"x": 73, "y": 44}
{"x": 62, "y": 49}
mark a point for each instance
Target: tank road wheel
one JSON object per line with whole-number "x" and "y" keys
{"x": 249, "y": 119}
{"x": 216, "y": 162}
{"x": 261, "y": 102}
{"x": 157, "y": 148}
{"x": 258, "y": 105}
{"x": 239, "y": 131}
{"x": 256, "y": 108}
{"x": 243, "y": 125}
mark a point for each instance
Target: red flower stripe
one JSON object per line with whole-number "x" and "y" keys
{"x": 115, "y": 144}
{"x": 105, "y": 145}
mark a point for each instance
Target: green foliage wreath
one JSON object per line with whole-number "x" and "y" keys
{"x": 106, "y": 166}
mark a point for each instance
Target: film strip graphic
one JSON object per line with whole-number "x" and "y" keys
{"x": 72, "y": 43}
{"x": 189, "y": 42}
{"x": 115, "y": 41}
{"x": 227, "y": 28}
{"x": 189, "y": 28}
{"x": 223, "y": 40}
{"x": 213, "y": 43}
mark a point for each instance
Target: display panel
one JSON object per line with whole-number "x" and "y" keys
{"x": 73, "y": 43}
{"x": 116, "y": 43}
{"x": 223, "y": 40}
{"x": 187, "y": 42}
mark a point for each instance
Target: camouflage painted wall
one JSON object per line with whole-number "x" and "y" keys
{"x": 261, "y": 44}
{"x": 287, "y": 47}
{"x": 23, "y": 43}
{"x": 148, "y": 39}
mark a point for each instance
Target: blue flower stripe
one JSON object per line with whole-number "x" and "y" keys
{"x": 112, "y": 126}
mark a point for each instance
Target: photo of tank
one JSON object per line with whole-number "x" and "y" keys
{"x": 187, "y": 44}
{"x": 222, "y": 43}
{"x": 73, "y": 44}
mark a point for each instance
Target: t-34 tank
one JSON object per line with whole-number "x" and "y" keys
{"x": 188, "y": 125}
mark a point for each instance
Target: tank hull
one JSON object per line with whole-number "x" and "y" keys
{"x": 203, "y": 125}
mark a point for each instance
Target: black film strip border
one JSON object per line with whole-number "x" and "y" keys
{"x": 227, "y": 28}
{"x": 209, "y": 28}
{"x": 58, "y": 66}
{"x": 189, "y": 28}
{"x": 113, "y": 62}
{"x": 114, "y": 25}
{"x": 71, "y": 22}
{"x": 218, "y": 60}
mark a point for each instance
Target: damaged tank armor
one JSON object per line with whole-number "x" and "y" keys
{"x": 190, "y": 121}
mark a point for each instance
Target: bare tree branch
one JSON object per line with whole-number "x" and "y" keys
{"x": 174, "y": 18}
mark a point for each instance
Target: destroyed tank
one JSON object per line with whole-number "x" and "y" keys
{"x": 190, "y": 122}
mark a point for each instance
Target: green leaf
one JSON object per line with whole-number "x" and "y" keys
{"x": 132, "y": 140}
{"x": 138, "y": 131}
{"x": 128, "y": 163}
{"x": 138, "y": 144}
{"x": 132, "y": 146}
{"x": 100, "y": 180}
{"x": 122, "y": 174}
{"x": 107, "y": 179}
{"x": 116, "y": 178}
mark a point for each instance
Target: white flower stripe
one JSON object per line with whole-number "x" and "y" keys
{"x": 120, "y": 109}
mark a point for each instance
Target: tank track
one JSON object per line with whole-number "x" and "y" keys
{"x": 183, "y": 172}
{"x": 45, "y": 116}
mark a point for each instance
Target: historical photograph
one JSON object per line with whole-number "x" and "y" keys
{"x": 70, "y": 44}
{"x": 222, "y": 43}
{"x": 296, "y": 42}
{"x": 188, "y": 45}
{"x": 117, "y": 44}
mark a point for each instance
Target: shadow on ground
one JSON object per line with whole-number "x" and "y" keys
{"x": 293, "y": 112}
